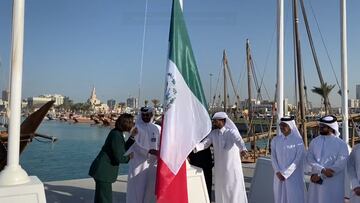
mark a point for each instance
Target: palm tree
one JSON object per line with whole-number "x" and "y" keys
{"x": 155, "y": 102}
{"x": 324, "y": 91}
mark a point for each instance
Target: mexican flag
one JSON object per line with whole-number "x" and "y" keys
{"x": 186, "y": 120}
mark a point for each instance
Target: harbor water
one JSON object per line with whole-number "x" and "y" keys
{"x": 68, "y": 158}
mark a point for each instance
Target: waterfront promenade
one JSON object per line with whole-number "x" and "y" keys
{"x": 82, "y": 190}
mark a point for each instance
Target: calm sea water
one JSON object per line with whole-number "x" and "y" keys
{"x": 68, "y": 158}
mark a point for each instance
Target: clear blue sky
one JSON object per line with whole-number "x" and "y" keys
{"x": 71, "y": 45}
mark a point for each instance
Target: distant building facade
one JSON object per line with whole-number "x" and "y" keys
{"x": 59, "y": 99}
{"x": 2, "y": 105}
{"x": 354, "y": 103}
{"x": 24, "y": 103}
{"x": 36, "y": 102}
{"x": 132, "y": 102}
{"x": 357, "y": 91}
{"x": 286, "y": 106}
{"x": 5, "y": 95}
{"x": 111, "y": 103}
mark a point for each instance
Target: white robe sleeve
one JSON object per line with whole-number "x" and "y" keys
{"x": 351, "y": 168}
{"x": 310, "y": 158}
{"x": 340, "y": 163}
{"x": 158, "y": 137}
{"x": 296, "y": 163}
{"x": 237, "y": 139}
{"x": 205, "y": 143}
{"x": 274, "y": 160}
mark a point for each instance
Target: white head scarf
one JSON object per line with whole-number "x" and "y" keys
{"x": 331, "y": 121}
{"x": 229, "y": 124}
{"x": 144, "y": 110}
{"x": 291, "y": 123}
{"x": 143, "y": 128}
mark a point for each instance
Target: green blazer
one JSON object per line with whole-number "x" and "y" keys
{"x": 106, "y": 165}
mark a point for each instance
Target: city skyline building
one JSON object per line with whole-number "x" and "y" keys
{"x": 354, "y": 103}
{"x": 5, "y": 95}
{"x": 58, "y": 98}
{"x": 132, "y": 102}
{"x": 38, "y": 101}
{"x": 111, "y": 103}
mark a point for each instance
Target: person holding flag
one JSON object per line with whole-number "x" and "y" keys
{"x": 185, "y": 120}
{"x": 228, "y": 146}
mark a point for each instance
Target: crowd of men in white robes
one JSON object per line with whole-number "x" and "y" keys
{"x": 325, "y": 162}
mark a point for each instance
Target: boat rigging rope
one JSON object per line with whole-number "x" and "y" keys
{"x": 142, "y": 49}
{"x": 217, "y": 84}
{"x": 323, "y": 42}
{"x": 267, "y": 61}
{"x": 241, "y": 75}
{"x": 257, "y": 85}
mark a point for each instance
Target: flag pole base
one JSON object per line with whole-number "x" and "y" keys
{"x": 13, "y": 175}
{"x": 197, "y": 190}
{"x": 29, "y": 192}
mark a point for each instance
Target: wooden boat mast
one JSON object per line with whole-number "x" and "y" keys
{"x": 227, "y": 73}
{"x": 225, "y": 87}
{"x": 300, "y": 73}
{"x": 250, "y": 112}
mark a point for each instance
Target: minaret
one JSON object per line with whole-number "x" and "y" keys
{"x": 93, "y": 94}
{"x": 93, "y": 100}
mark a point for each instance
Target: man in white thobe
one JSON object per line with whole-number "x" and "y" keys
{"x": 327, "y": 158}
{"x": 228, "y": 147}
{"x": 287, "y": 155}
{"x": 353, "y": 168}
{"x": 142, "y": 165}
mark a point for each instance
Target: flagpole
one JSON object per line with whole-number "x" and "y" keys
{"x": 171, "y": 178}
{"x": 13, "y": 174}
{"x": 344, "y": 74}
{"x": 280, "y": 60}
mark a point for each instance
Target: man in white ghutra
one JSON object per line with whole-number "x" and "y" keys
{"x": 287, "y": 156}
{"x": 327, "y": 156}
{"x": 228, "y": 147}
{"x": 142, "y": 165}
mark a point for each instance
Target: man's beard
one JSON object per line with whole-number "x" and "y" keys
{"x": 215, "y": 127}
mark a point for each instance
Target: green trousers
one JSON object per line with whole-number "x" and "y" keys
{"x": 103, "y": 192}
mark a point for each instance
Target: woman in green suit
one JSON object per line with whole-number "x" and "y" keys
{"x": 104, "y": 169}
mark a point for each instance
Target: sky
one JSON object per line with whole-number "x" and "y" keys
{"x": 72, "y": 45}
